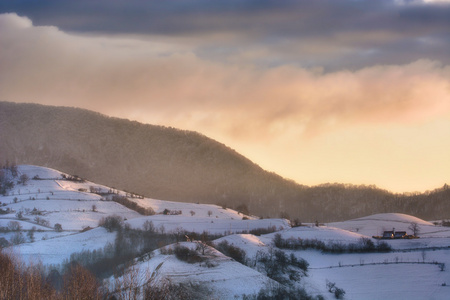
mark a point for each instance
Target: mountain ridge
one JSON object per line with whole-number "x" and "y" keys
{"x": 180, "y": 165}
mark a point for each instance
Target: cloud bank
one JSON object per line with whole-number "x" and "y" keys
{"x": 311, "y": 124}
{"x": 171, "y": 85}
{"x": 327, "y": 33}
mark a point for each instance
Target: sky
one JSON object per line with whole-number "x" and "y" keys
{"x": 348, "y": 91}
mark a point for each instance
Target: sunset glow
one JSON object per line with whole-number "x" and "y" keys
{"x": 316, "y": 91}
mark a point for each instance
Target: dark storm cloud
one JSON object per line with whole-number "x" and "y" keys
{"x": 310, "y": 33}
{"x": 288, "y": 18}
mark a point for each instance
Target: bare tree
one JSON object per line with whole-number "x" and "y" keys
{"x": 30, "y": 233}
{"x": 79, "y": 283}
{"x": 129, "y": 286}
{"x": 148, "y": 226}
{"x": 23, "y": 179}
{"x": 201, "y": 246}
{"x": 111, "y": 223}
{"x": 415, "y": 228}
{"x": 17, "y": 238}
{"x": 243, "y": 209}
{"x": 14, "y": 226}
{"x": 19, "y": 215}
{"x": 58, "y": 227}
{"x": 424, "y": 255}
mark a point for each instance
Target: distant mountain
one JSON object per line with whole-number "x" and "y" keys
{"x": 172, "y": 164}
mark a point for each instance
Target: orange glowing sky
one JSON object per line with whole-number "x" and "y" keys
{"x": 364, "y": 99}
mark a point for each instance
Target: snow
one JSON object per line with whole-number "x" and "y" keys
{"x": 251, "y": 243}
{"x": 209, "y": 224}
{"x": 411, "y": 271}
{"x": 398, "y": 281}
{"x": 326, "y": 234}
{"x": 227, "y": 278}
{"x": 56, "y": 250}
{"x": 376, "y": 224}
{"x": 199, "y": 210}
{"x": 42, "y": 172}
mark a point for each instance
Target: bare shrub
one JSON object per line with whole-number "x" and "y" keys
{"x": 17, "y": 238}
{"x": 58, "y": 227}
{"x": 23, "y": 179}
{"x": 232, "y": 251}
{"x": 332, "y": 288}
{"x": 149, "y": 227}
{"x": 22, "y": 283}
{"x": 79, "y": 283}
{"x": 281, "y": 292}
{"x": 111, "y": 223}
{"x": 146, "y": 211}
{"x": 128, "y": 286}
{"x": 14, "y": 226}
{"x": 166, "y": 290}
{"x": 187, "y": 254}
{"x": 42, "y": 221}
{"x": 201, "y": 246}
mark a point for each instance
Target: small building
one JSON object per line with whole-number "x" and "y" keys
{"x": 392, "y": 234}
{"x": 400, "y": 235}
{"x": 388, "y": 235}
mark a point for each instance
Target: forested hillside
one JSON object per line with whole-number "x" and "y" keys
{"x": 172, "y": 164}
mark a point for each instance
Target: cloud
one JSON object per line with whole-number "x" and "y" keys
{"x": 331, "y": 34}
{"x": 385, "y": 124}
{"x": 157, "y": 81}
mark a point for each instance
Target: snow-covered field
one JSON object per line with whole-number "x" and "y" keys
{"x": 220, "y": 276}
{"x": 413, "y": 270}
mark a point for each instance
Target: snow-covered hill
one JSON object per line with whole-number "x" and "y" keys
{"x": 414, "y": 269}
{"x": 48, "y": 195}
{"x": 376, "y": 224}
{"x": 216, "y": 276}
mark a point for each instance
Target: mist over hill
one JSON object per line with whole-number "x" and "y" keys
{"x": 172, "y": 164}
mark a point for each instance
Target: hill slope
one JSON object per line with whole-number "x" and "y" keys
{"x": 163, "y": 163}
{"x": 172, "y": 164}
{"x": 415, "y": 270}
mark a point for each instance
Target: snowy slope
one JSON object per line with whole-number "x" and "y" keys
{"x": 49, "y": 196}
{"x": 221, "y": 276}
{"x": 71, "y": 204}
{"x": 200, "y": 210}
{"x": 209, "y": 224}
{"x": 395, "y": 281}
{"x": 411, "y": 271}
{"x": 55, "y": 250}
{"x": 59, "y": 201}
{"x": 323, "y": 233}
{"x": 430, "y": 234}
{"x": 376, "y": 224}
